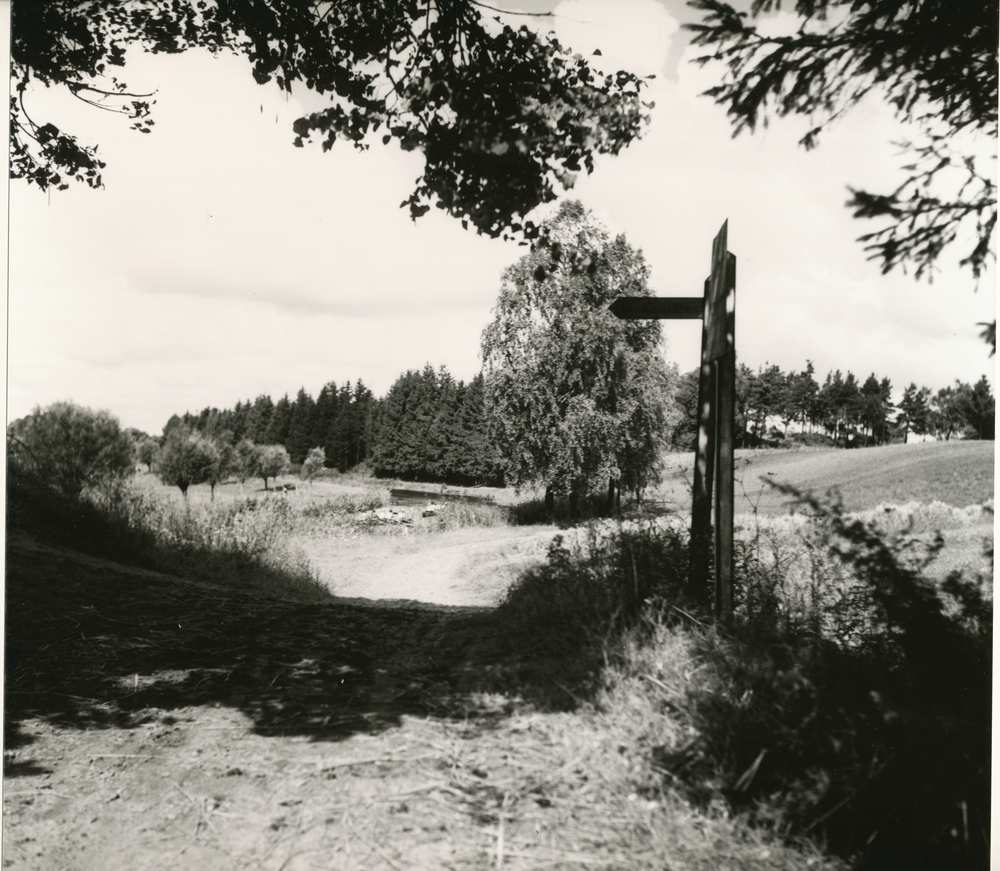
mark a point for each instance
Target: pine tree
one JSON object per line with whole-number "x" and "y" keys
{"x": 300, "y": 427}
{"x": 281, "y": 420}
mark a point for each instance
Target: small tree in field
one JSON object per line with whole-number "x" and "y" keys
{"x": 146, "y": 452}
{"x": 272, "y": 460}
{"x": 244, "y": 461}
{"x": 223, "y": 466}
{"x": 314, "y": 462}
{"x": 73, "y": 447}
{"x": 186, "y": 458}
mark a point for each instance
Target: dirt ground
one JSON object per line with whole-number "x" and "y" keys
{"x": 154, "y": 722}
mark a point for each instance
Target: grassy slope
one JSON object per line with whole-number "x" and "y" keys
{"x": 956, "y": 473}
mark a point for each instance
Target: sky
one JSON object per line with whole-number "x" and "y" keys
{"x": 220, "y": 262}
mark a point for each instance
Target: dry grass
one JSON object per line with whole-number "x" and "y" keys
{"x": 572, "y": 791}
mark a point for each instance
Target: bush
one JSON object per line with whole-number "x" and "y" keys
{"x": 246, "y": 544}
{"x": 71, "y": 447}
{"x": 597, "y": 582}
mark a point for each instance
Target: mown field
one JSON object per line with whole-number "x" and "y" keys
{"x": 957, "y": 473}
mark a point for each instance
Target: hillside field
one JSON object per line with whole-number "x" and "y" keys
{"x": 957, "y": 473}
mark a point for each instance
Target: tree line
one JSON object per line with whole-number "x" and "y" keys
{"x": 769, "y": 402}
{"x": 429, "y": 426}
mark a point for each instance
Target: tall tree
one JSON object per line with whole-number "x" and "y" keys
{"x": 300, "y": 426}
{"x": 979, "y": 407}
{"x": 499, "y": 114}
{"x": 933, "y": 61}
{"x": 281, "y": 420}
{"x": 259, "y": 418}
{"x": 564, "y": 378}
{"x": 914, "y": 411}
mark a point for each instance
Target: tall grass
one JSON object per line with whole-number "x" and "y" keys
{"x": 242, "y": 543}
{"x": 849, "y": 705}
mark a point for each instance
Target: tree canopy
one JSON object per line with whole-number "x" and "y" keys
{"x": 501, "y": 115}
{"x": 935, "y": 61}
{"x": 573, "y": 394}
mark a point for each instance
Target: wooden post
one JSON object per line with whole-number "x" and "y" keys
{"x": 704, "y": 461}
{"x": 725, "y": 427}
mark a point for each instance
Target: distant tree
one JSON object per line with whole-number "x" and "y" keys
{"x": 400, "y": 445}
{"x": 933, "y": 61}
{"x": 471, "y": 457}
{"x": 73, "y": 447}
{"x": 565, "y": 381}
{"x": 874, "y": 407}
{"x": 914, "y": 411}
{"x": 314, "y": 463}
{"x": 186, "y": 458}
{"x": 146, "y": 451}
{"x": 222, "y": 468}
{"x": 324, "y": 415}
{"x": 801, "y": 394}
{"x": 244, "y": 461}
{"x": 979, "y": 408}
{"x": 271, "y": 461}
{"x": 280, "y": 423}
{"x": 498, "y": 115}
{"x": 948, "y": 413}
{"x": 259, "y": 418}
{"x": 300, "y": 426}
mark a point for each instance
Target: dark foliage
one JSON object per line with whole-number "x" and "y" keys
{"x": 934, "y": 61}
{"x": 337, "y": 422}
{"x": 498, "y": 114}
{"x": 853, "y": 414}
{"x": 867, "y": 725}
{"x": 429, "y": 427}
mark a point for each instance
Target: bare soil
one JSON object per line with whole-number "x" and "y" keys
{"x": 155, "y": 722}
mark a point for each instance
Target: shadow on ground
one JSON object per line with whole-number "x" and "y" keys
{"x": 92, "y": 644}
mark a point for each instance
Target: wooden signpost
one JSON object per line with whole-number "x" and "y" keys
{"x": 713, "y": 462}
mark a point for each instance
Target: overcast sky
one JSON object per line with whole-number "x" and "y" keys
{"x": 220, "y": 262}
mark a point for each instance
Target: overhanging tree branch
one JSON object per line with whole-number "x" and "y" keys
{"x": 500, "y": 117}
{"x": 934, "y": 61}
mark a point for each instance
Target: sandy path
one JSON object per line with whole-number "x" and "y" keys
{"x": 465, "y": 567}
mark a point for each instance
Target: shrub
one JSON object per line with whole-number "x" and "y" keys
{"x": 597, "y": 582}
{"x": 314, "y": 464}
{"x": 72, "y": 447}
{"x": 850, "y": 703}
